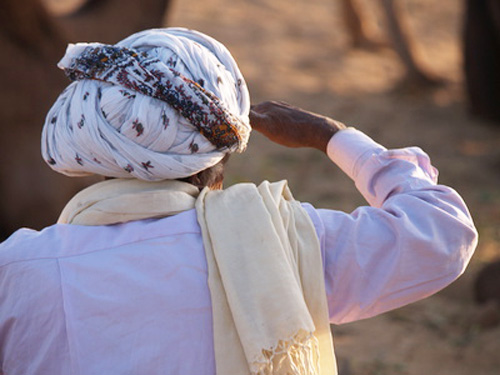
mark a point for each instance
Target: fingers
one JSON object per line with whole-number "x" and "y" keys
{"x": 269, "y": 117}
{"x": 256, "y": 119}
{"x": 263, "y": 114}
{"x": 270, "y": 106}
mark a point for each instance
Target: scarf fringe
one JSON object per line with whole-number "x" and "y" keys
{"x": 298, "y": 355}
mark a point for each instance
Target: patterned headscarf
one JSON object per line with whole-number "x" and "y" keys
{"x": 161, "y": 104}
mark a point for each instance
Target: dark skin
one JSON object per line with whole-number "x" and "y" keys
{"x": 282, "y": 123}
{"x": 291, "y": 126}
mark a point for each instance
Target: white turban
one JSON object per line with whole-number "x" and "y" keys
{"x": 160, "y": 104}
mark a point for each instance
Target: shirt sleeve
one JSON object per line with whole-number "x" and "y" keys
{"x": 415, "y": 238}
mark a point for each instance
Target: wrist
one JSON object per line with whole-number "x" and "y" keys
{"x": 328, "y": 130}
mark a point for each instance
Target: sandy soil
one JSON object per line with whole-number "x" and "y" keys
{"x": 298, "y": 52}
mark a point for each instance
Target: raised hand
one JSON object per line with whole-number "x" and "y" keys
{"x": 292, "y": 126}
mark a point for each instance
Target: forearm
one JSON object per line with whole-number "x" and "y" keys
{"x": 415, "y": 239}
{"x": 378, "y": 172}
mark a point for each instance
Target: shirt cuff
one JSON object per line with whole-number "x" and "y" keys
{"x": 349, "y": 148}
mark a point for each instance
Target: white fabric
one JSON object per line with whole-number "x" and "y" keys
{"x": 267, "y": 288}
{"x": 121, "y": 200}
{"x": 97, "y": 127}
{"x": 138, "y": 292}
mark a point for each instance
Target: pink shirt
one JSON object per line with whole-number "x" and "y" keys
{"x": 133, "y": 298}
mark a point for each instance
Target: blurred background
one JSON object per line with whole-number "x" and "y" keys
{"x": 392, "y": 68}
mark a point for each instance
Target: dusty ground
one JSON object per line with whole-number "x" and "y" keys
{"x": 298, "y": 51}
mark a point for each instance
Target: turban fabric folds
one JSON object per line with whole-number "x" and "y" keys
{"x": 161, "y": 104}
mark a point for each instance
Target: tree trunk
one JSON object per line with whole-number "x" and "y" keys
{"x": 357, "y": 26}
{"x": 482, "y": 58}
{"x": 405, "y": 46}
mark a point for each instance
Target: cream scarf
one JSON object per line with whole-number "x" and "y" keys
{"x": 264, "y": 265}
